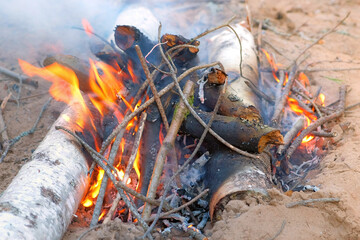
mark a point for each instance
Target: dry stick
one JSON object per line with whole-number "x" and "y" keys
{"x": 187, "y": 162}
{"x": 352, "y": 106}
{"x": 289, "y": 136}
{"x": 23, "y": 134}
{"x": 104, "y": 181}
{"x": 130, "y": 164}
{"x": 167, "y": 146}
{"x": 4, "y": 134}
{"x": 149, "y": 102}
{"x": 18, "y": 77}
{"x": 302, "y": 104}
{"x": 323, "y": 134}
{"x": 181, "y": 207}
{"x": 318, "y": 123}
{"x": 89, "y": 230}
{"x": 152, "y": 86}
{"x": 321, "y": 37}
{"x": 281, "y": 103}
{"x": 259, "y": 93}
{"x": 279, "y": 232}
{"x": 330, "y": 69}
{"x": 279, "y": 87}
{"x": 310, "y": 100}
{"x": 305, "y": 202}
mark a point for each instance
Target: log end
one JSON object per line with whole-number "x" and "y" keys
{"x": 273, "y": 137}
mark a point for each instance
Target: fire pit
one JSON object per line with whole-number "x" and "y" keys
{"x": 224, "y": 120}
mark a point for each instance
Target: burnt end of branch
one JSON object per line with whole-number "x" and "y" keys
{"x": 231, "y": 105}
{"x": 247, "y": 135}
{"x": 216, "y": 76}
{"x": 188, "y": 53}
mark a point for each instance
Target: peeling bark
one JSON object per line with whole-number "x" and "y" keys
{"x": 41, "y": 200}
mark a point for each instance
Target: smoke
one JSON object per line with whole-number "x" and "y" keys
{"x": 31, "y": 29}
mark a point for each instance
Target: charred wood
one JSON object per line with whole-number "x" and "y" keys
{"x": 244, "y": 134}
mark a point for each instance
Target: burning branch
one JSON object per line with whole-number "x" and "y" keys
{"x": 319, "y": 122}
{"x": 129, "y": 166}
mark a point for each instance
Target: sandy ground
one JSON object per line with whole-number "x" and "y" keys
{"x": 339, "y": 174}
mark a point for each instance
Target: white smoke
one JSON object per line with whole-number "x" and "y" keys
{"x": 33, "y": 28}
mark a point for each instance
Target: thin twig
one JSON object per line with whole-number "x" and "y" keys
{"x": 89, "y": 230}
{"x": 280, "y": 231}
{"x": 330, "y": 69}
{"x": 306, "y": 202}
{"x": 322, "y": 36}
{"x": 196, "y": 116}
{"x": 107, "y": 168}
{"x": 281, "y": 103}
{"x": 193, "y": 154}
{"x": 153, "y": 87}
{"x": 18, "y": 77}
{"x": 323, "y": 134}
{"x": 23, "y": 134}
{"x": 129, "y": 165}
{"x": 259, "y": 93}
{"x": 104, "y": 181}
{"x": 352, "y": 106}
{"x": 289, "y": 136}
{"x": 319, "y": 122}
{"x": 149, "y": 102}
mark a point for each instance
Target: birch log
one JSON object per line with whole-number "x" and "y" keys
{"x": 41, "y": 200}
{"x": 239, "y": 100}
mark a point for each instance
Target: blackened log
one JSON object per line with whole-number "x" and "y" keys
{"x": 150, "y": 145}
{"x": 231, "y": 176}
{"x": 247, "y": 135}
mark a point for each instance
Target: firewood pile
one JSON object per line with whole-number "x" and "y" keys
{"x": 177, "y": 139}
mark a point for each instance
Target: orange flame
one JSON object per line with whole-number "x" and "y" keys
{"x": 93, "y": 190}
{"x": 294, "y": 106}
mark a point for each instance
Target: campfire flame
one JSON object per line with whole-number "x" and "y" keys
{"x": 304, "y": 84}
{"x": 107, "y": 96}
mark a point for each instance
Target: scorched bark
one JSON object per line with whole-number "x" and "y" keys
{"x": 41, "y": 200}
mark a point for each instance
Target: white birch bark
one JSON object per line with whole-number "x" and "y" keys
{"x": 41, "y": 200}
{"x": 225, "y": 47}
